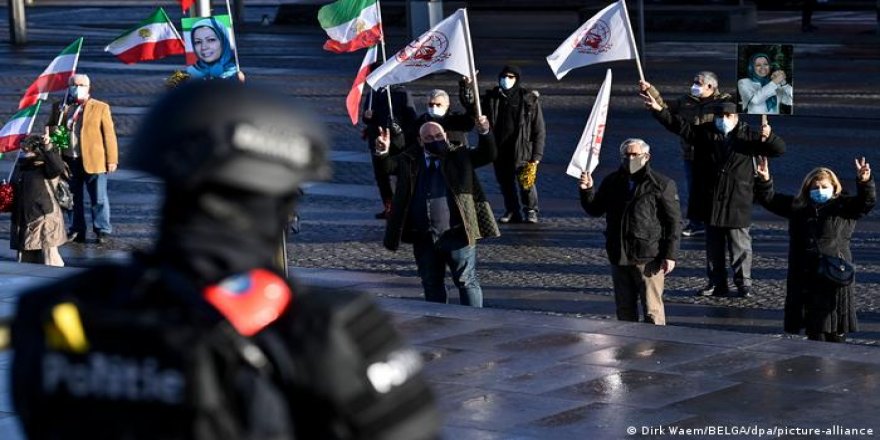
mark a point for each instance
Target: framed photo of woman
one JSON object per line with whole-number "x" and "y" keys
{"x": 210, "y": 47}
{"x": 765, "y": 84}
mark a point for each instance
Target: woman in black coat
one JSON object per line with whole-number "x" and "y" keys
{"x": 37, "y": 226}
{"x": 820, "y": 220}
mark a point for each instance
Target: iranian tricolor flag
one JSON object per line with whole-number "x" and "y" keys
{"x": 351, "y": 24}
{"x": 17, "y": 128}
{"x": 353, "y": 101}
{"x": 152, "y": 39}
{"x": 55, "y": 77}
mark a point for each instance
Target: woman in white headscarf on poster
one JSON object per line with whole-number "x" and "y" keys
{"x": 763, "y": 91}
{"x": 215, "y": 56}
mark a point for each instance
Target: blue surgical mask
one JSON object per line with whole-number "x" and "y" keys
{"x": 723, "y": 125}
{"x": 506, "y": 83}
{"x": 821, "y": 195}
{"x": 696, "y": 90}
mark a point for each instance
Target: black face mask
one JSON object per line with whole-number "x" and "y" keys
{"x": 437, "y": 148}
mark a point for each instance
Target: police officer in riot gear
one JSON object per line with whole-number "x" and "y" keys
{"x": 201, "y": 338}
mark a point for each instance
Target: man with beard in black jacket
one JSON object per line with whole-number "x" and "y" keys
{"x": 643, "y": 226}
{"x": 727, "y": 148}
{"x": 518, "y": 124}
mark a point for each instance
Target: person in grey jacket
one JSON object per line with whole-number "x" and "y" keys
{"x": 643, "y": 220}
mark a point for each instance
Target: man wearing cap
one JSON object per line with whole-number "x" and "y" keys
{"x": 727, "y": 148}
{"x": 518, "y": 124}
{"x": 91, "y": 155}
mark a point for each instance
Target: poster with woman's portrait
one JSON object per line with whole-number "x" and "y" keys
{"x": 765, "y": 79}
{"x": 210, "y": 47}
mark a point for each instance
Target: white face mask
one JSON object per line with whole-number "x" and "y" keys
{"x": 79, "y": 93}
{"x": 696, "y": 90}
{"x": 723, "y": 125}
{"x": 437, "y": 112}
{"x": 506, "y": 83}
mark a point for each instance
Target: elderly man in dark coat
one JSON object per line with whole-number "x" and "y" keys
{"x": 440, "y": 208}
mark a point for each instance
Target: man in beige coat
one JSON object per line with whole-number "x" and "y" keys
{"x": 91, "y": 155}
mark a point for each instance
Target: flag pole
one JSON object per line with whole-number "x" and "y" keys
{"x": 63, "y": 105}
{"x": 632, "y": 39}
{"x": 473, "y": 72}
{"x": 384, "y": 59}
{"x": 164, "y": 14}
{"x": 232, "y": 31}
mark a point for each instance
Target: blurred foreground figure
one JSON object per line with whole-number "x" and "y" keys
{"x": 200, "y": 338}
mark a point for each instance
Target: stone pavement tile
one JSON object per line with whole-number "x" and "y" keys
{"x": 726, "y": 363}
{"x": 647, "y": 355}
{"x": 535, "y": 380}
{"x": 476, "y": 368}
{"x": 486, "y": 339}
{"x": 689, "y": 335}
{"x": 429, "y": 328}
{"x": 767, "y": 403}
{"x": 867, "y": 385}
{"x": 849, "y": 352}
{"x": 599, "y": 420}
{"x": 459, "y": 433}
{"x": 560, "y": 345}
{"x": 642, "y": 389}
{"x": 467, "y": 406}
{"x": 807, "y": 372}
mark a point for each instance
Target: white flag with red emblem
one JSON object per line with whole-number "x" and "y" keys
{"x": 606, "y": 37}
{"x": 586, "y": 155}
{"x": 444, "y": 47}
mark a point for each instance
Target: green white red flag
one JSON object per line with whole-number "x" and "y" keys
{"x": 351, "y": 25}
{"x": 353, "y": 101}
{"x": 55, "y": 77}
{"x": 152, "y": 39}
{"x": 18, "y": 127}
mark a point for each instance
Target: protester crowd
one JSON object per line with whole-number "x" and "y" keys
{"x": 725, "y": 163}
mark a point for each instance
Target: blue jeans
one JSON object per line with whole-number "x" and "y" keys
{"x": 432, "y": 261}
{"x": 96, "y": 185}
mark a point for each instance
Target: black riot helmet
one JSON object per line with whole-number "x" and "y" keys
{"x": 223, "y": 132}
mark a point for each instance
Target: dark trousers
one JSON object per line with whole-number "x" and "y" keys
{"x": 515, "y": 197}
{"x": 383, "y": 179}
{"x": 432, "y": 261}
{"x": 737, "y": 243}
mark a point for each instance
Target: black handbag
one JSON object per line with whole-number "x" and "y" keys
{"x": 836, "y": 270}
{"x": 63, "y": 195}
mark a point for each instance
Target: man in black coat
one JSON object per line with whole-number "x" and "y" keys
{"x": 643, "y": 225}
{"x": 440, "y": 208}
{"x": 518, "y": 123}
{"x": 727, "y": 148}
